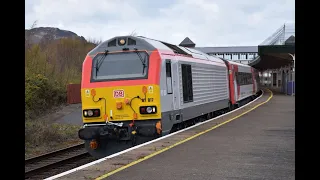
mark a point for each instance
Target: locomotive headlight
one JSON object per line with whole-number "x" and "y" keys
{"x": 149, "y": 109}
{"x": 122, "y": 41}
{"x": 90, "y": 112}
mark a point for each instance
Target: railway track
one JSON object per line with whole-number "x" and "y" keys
{"x": 56, "y": 162}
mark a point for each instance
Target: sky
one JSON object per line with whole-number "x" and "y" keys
{"x": 206, "y": 22}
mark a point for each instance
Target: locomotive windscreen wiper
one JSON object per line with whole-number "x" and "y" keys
{"x": 142, "y": 60}
{"x": 100, "y": 61}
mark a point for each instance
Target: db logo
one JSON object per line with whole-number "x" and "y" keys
{"x": 118, "y": 93}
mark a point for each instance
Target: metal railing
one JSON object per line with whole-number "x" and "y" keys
{"x": 281, "y": 35}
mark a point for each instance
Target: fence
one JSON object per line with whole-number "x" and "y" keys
{"x": 74, "y": 93}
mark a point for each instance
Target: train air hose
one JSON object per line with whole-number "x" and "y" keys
{"x": 135, "y": 114}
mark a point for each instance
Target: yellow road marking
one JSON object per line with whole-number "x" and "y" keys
{"x": 180, "y": 142}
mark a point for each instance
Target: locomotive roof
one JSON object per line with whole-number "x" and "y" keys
{"x": 182, "y": 50}
{"x": 151, "y": 44}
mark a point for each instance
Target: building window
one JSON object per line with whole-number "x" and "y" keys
{"x": 227, "y": 56}
{"x": 243, "y": 56}
{"x": 250, "y": 56}
{"x": 235, "y": 56}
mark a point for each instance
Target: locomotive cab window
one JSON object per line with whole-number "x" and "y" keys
{"x": 117, "y": 66}
{"x": 187, "y": 83}
{"x": 168, "y": 76}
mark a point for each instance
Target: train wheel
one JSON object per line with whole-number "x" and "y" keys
{"x": 231, "y": 107}
{"x": 209, "y": 116}
{"x": 185, "y": 125}
{"x": 134, "y": 140}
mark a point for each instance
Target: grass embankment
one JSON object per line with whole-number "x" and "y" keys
{"x": 49, "y": 67}
{"x": 43, "y": 137}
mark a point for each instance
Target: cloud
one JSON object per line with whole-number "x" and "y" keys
{"x": 206, "y": 22}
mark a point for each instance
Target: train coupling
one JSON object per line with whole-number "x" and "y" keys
{"x": 109, "y": 130}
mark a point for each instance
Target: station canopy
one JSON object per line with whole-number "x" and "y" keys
{"x": 274, "y": 53}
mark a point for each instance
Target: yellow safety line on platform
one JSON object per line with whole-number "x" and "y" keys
{"x": 183, "y": 141}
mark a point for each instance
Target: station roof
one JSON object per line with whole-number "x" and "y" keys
{"x": 274, "y": 56}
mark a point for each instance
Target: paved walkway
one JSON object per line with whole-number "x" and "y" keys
{"x": 70, "y": 114}
{"x": 258, "y": 145}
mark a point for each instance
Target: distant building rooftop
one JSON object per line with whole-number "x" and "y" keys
{"x": 232, "y": 49}
{"x": 240, "y": 54}
{"x": 187, "y": 43}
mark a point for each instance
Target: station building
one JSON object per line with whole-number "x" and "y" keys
{"x": 274, "y": 58}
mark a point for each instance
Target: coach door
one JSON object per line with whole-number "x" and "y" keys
{"x": 171, "y": 81}
{"x": 235, "y": 85}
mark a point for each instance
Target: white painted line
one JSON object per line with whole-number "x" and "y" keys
{"x": 146, "y": 143}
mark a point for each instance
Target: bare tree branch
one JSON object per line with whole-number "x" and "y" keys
{"x": 34, "y": 24}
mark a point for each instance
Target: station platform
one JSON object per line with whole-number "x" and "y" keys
{"x": 255, "y": 142}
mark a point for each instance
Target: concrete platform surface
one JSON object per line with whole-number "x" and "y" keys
{"x": 257, "y": 145}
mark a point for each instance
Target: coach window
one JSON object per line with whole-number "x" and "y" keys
{"x": 242, "y": 79}
{"x": 239, "y": 78}
{"x": 187, "y": 83}
{"x": 243, "y": 76}
{"x": 245, "y": 79}
{"x": 168, "y": 76}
